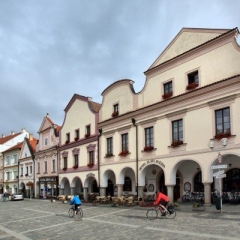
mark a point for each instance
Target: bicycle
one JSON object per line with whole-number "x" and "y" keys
{"x": 153, "y": 213}
{"x": 71, "y": 211}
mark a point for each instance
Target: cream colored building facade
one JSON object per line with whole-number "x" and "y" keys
{"x": 78, "y": 148}
{"x": 158, "y": 139}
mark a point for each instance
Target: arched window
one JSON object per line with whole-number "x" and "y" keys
{"x": 198, "y": 185}
{"x": 232, "y": 180}
{"x": 127, "y": 184}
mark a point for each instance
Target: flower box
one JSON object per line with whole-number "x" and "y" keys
{"x": 26, "y": 174}
{"x": 167, "y": 95}
{"x": 219, "y": 136}
{"x": 75, "y": 167}
{"x": 192, "y": 86}
{"x": 123, "y": 153}
{"x": 29, "y": 184}
{"x": 87, "y": 135}
{"x": 114, "y": 114}
{"x": 176, "y": 143}
{"x": 64, "y": 169}
{"x": 148, "y": 149}
{"x": 108, "y": 155}
{"x": 76, "y": 138}
{"x": 90, "y": 165}
{"x": 67, "y": 142}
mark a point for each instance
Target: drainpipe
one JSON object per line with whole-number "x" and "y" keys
{"x": 134, "y": 124}
{"x": 100, "y": 134}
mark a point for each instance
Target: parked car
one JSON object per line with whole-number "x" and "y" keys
{"x": 17, "y": 196}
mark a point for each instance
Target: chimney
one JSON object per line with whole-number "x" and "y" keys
{"x": 3, "y": 136}
{"x": 12, "y": 132}
{"x": 30, "y": 136}
{"x": 23, "y": 130}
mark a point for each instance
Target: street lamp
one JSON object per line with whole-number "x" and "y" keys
{"x": 218, "y": 174}
{"x": 30, "y": 185}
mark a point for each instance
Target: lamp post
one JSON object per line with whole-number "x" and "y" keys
{"x": 218, "y": 148}
{"x": 30, "y": 186}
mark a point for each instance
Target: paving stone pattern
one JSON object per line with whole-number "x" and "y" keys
{"x": 41, "y": 219}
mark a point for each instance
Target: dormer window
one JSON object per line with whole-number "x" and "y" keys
{"x": 115, "y": 110}
{"x": 192, "y": 80}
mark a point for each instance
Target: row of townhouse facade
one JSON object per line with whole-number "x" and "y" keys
{"x": 167, "y": 137}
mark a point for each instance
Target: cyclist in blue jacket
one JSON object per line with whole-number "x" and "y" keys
{"x": 77, "y": 201}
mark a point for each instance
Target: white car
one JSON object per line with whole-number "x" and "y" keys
{"x": 17, "y": 196}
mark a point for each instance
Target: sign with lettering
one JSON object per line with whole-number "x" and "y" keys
{"x": 221, "y": 176}
{"x": 218, "y": 166}
{"x": 150, "y": 161}
{"x": 218, "y": 173}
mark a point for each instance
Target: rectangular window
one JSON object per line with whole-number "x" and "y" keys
{"x": 30, "y": 169}
{"x": 7, "y": 175}
{"x": 27, "y": 171}
{"x": 15, "y": 159}
{"x": 88, "y": 130}
{"x": 149, "y": 137}
{"x": 7, "y": 160}
{"x": 46, "y": 141}
{"x": 15, "y": 175}
{"x": 67, "y": 138}
{"x": 167, "y": 87}
{"x": 45, "y": 166}
{"x": 21, "y": 171}
{"x": 65, "y": 162}
{"x": 76, "y": 160}
{"x": 53, "y": 165}
{"x": 91, "y": 157}
{"x": 177, "y": 131}
{"x": 110, "y": 146}
{"x": 125, "y": 142}
{"x": 222, "y": 118}
{"x": 76, "y": 134}
{"x": 116, "y": 108}
{"x": 38, "y": 167}
{"x": 193, "y": 77}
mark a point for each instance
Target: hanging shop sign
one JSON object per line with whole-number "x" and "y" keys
{"x": 151, "y": 161}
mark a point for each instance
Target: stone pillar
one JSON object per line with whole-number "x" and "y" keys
{"x": 170, "y": 192}
{"x": 207, "y": 193}
{"x": 72, "y": 190}
{"x": 120, "y": 190}
{"x": 140, "y": 191}
{"x": 61, "y": 191}
{"x": 85, "y": 193}
{"x": 102, "y": 191}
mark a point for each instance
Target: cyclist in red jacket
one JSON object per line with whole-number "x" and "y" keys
{"x": 162, "y": 200}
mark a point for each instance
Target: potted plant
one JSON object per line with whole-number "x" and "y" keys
{"x": 148, "y": 148}
{"x": 176, "y": 143}
{"x": 167, "y": 95}
{"x": 87, "y": 135}
{"x": 197, "y": 206}
{"x": 75, "y": 167}
{"x": 123, "y": 153}
{"x": 67, "y": 142}
{"x": 64, "y": 169}
{"x": 108, "y": 155}
{"x": 26, "y": 174}
{"x": 219, "y": 136}
{"x": 115, "y": 114}
{"x": 90, "y": 165}
{"x": 76, "y": 138}
{"x": 192, "y": 86}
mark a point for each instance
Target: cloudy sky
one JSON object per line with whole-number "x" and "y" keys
{"x": 50, "y": 50}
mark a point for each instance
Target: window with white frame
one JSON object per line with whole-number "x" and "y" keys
{"x": 76, "y": 160}
{"x": 149, "y": 137}
{"x": 38, "y": 167}
{"x": 7, "y": 161}
{"x": 30, "y": 170}
{"x": 21, "y": 171}
{"x": 15, "y": 174}
{"x": 7, "y": 176}
{"x": 125, "y": 142}
{"x": 91, "y": 157}
{"x": 222, "y": 119}
{"x": 65, "y": 161}
{"x": 45, "y": 166}
{"x": 46, "y": 141}
{"x": 53, "y": 165}
{"x": 15, "y": 159}
{"x": 110, "y": 146}
{"x": 177, "y": 131}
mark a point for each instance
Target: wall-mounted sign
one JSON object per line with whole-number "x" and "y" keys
{"x": 150, "y": 161}
{"x": 90, "y": 175}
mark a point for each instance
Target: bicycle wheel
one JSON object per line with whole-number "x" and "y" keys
{"x": 170, "y": 216}
{"x": 71, "y": 212}
{"x": 152, "y": 214}
{"x": 79, "y": 213}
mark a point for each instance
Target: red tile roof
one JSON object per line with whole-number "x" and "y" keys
{"x": 17, "y": 146}
{"x": 7, "y": 138}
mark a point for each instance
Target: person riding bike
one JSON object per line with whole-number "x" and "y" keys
{"x": 77, "y": 201}
{"x": 162, "y": 200}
